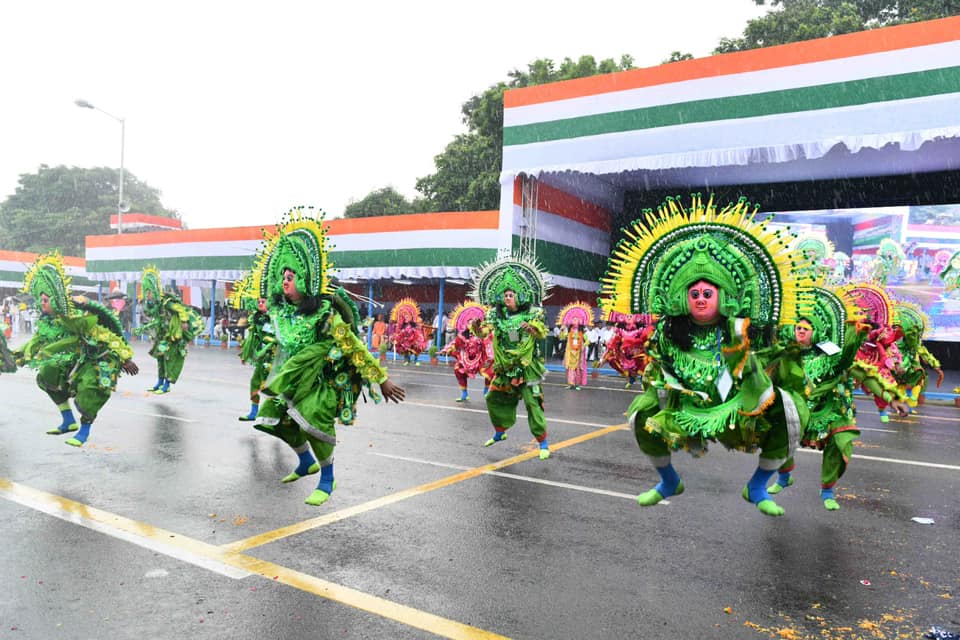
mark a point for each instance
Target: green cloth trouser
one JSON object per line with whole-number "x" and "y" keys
{"x": 502, "y": 408}
{"x": 837, "y": 449}
{"x": 85, "y": 388}
{"x": 275, "y": 418}
{"x": 169, "y": 363}
{"x": 256, "y": 382}
{"x": 774, "y": 442}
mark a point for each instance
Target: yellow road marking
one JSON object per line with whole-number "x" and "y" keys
{"x": 209, "y": 556}
{"x": 336, "y": 516}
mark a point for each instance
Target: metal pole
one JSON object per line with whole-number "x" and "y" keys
{"x": 123, "y": 127}
{"x": 213, "y": 311}
{"x": 439, "y": 337}
{"x": 370, "y": 314}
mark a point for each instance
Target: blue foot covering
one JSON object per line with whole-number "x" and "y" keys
{"x": 308, "y": 466}
{"x": 669, "y": 481}
{"x": 81, "y": 436}
{"x": 254, "y": 410}
{"x": 756, "y": 492}
{"x": 498, "y": 436}
{"x": 67, "y": 424}
{"x": 326, "y": 479}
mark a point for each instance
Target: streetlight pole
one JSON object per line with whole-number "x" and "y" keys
{"x": 83, "y": 104}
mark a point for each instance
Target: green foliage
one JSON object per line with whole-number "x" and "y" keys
{"x": 386, "y": 201}
{"x": 797, "y": 20}
{"x": 56, "y": 207}
{"x": 467, "y": 176}
{"x": 677, "y": 56}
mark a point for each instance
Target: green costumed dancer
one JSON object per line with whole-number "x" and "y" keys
{"x": 829, "y": 337}
{"x": 915, "y": 325}
{"x": 721, "y": 284}
{"x": 514, "y": 288}
{"x": 259, "y": 346}
{"x": 8, "y": 363}
{"x": 322, "y": 364}
{"x": 172, "y": 325}
{"x": 78, "y": 348}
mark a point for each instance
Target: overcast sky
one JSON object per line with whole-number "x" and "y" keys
{"x": 237, "y": 111}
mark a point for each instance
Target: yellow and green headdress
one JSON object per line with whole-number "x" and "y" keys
{"x": 47, "y": 275}
{"x": 829, "y": 314}
{"x": 758, "y": 272}
{"x": 913, "y": 320}
{"x": 818, "y": 250}
{"x": 243, "y": 294}
{"x": 298, "y": 243}
{"x": 514, "y": 273}
{"x": 150, "y": 282}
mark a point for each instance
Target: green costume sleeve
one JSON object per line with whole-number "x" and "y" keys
{"x": 365, "y": 363}
{"x": 927, "y": 358}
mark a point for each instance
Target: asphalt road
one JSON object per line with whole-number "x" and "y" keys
{"x": 171, "y": 523}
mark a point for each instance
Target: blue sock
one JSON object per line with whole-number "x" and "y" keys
{"x": 306, "y": 459}
{"x": 165, "y": 386}
{"x": 83, "y": 433}
{"x": 158, "y": 385}
{"x": 757, "y": 485}
{"x": 669, "y": 480}
{"x": 326, "y": 479}
{"x": 485, "y": 390}
{"x": 254, "y": 410}
{"x": 783, "y": 479}
{"x": 826, "y": 494}
{"x": 68, "y": 419}
{"x": 544, "y": 444}
{"x": 463, "y": 394}
{"x": 499, "y": 435}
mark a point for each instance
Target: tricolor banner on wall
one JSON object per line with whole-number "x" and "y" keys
{"x": 898, "y": 85}
{"x": 429, "y": 245}
{"x": 14, "y": 264}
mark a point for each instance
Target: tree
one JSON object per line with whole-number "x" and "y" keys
{"x": 796, "y": 20}
{"x": 386, "y": 201}
{"x": 57, "y": 207}
{"x": 677, "y": 56}
{"x": 467, "y": 176}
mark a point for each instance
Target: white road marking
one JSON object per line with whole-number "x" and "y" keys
{"x": 513, "y": 476}
{"x": 484, "y": 411}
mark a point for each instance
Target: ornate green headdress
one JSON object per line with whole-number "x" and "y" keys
{"x": 150, "y": 282}
{"x": 243, "y": 295}
{"x": 47, "y": 275}
{"x": 912, "y": 319}
{"x": 829, "y": 315}
{"x": 817, "y": 250}
{"x": 758, "y": 273}
{"x": 298, "y": 243}
{"x": 510, "y": 273}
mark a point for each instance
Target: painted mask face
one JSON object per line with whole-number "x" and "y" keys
{"x": 262, "y": 305}
{"x": 45, "y": 305}
{"x": 290, "y": 286}
{"x": 510, "y": 300}
{"x": 803, "y": 333}
{"x": 703, "y": 300}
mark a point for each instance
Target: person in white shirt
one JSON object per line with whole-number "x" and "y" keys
{"x": 593, "y": 343}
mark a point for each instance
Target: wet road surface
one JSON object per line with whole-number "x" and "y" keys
{"x": 171, "y": 522}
